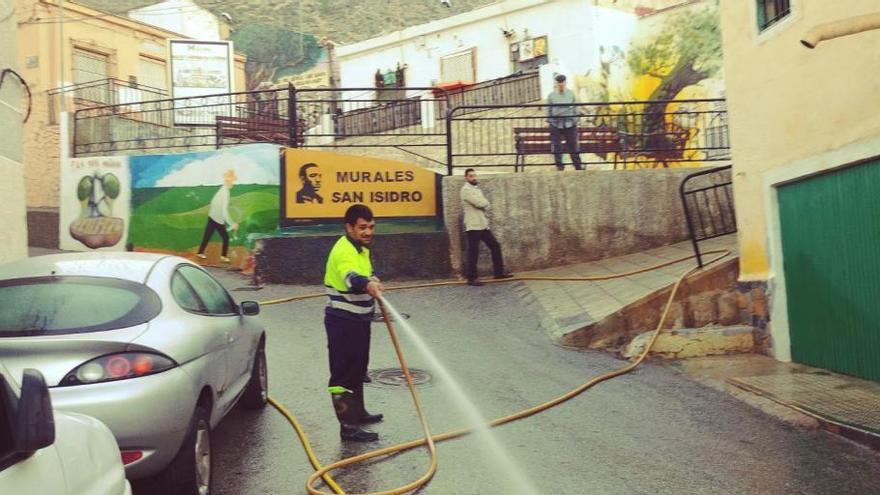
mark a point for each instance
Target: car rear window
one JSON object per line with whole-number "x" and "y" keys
{"x": 62, "y": 305}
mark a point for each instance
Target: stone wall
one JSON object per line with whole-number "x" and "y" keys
{"x": 546, "y": 219}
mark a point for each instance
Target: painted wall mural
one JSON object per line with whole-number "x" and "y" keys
{"x": 193, "y": 203}
{"x": 276, "y": 56}
{"x": 672, "y": 55}
{"x": 94, "y": 212}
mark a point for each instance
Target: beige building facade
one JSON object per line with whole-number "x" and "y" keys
{"x": 13, "y": 109}
{"x": 83, "y": 57}
{"x": 798, "y": 115}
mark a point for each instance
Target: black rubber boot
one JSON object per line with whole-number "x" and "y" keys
{"x": 346, "y": 409}
{"x": 354, "y": 433}
{"x": 363, "y": 417}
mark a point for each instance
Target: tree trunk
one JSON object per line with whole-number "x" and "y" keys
{"x": 654, "y": 123}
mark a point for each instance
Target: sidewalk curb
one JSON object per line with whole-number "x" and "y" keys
{"x": 855, "y": 433}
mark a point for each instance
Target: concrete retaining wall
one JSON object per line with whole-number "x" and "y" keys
{"x": 301, "y": 260}
{"x": 546, "y": 219}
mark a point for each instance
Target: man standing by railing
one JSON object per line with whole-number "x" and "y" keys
{"x": 562, "y": 115}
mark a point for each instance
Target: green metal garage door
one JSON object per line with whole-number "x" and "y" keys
{"x": 831, "y": 250}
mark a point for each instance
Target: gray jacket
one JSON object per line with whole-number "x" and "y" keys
{"x": 562, "y": 117}
{"x": 474, "y": 205}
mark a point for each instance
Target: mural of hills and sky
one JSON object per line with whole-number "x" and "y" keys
{"x": 171, "y": 195}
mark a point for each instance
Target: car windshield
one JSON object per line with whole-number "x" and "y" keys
{"x": 62, "y": 305}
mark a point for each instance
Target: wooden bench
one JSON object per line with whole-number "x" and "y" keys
{"x": 258, "y": 128}
{"x": 536, "y": 141}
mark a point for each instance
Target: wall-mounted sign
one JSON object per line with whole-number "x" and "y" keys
{"x": 95, "y": 198}
{"x": 200, "y": 68}
{"x": 393, "y": 78}
{"x": 532, "y": 48}
{"x": 318, "y": 186}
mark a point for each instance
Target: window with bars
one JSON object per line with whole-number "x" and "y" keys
{"x": 772, "y": 11}
{"x": 152, "y": 73}
{"x": 458, "y": 67}
{"x": 89, "y": 66}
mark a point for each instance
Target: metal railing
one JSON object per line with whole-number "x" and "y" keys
{"x": 102, "y": 92}
{"x": 625, "y": 135}
{"x": 510, "y": 90}
{"x": 311, "y": 118}
{"x": 707, "y": 200}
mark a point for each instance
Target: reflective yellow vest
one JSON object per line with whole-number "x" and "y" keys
{"x": 349, "y": 269}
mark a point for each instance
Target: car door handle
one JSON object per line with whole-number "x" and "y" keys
{"x": 230, "y": 338}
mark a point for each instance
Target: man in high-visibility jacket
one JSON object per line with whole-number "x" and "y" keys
{"x": 352, "y": 289}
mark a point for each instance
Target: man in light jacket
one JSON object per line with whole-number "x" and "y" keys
{"x": 476, "y": 225}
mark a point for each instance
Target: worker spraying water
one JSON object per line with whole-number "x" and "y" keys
{"x": 352, "y": 289}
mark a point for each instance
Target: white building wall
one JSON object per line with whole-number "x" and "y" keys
{"x": 181, "y": 16}
{"x": 572, "y": 28}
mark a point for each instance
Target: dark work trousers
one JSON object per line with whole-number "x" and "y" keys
{"x": 474, "y": 237}
{"x": 209, "y": 231}
{"x": 570, "y": 134}
{"x": 348, "y": 343}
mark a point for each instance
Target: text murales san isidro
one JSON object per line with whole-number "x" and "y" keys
{"x": 376, "y": 196}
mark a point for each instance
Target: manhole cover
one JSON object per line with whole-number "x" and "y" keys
{"x": 395, "y": 376}
{"x": 378, "y": 318}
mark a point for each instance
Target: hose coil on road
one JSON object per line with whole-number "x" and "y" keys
{"x": 323, "y": 472}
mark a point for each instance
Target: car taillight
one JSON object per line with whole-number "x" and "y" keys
{"x": 118, "y": 367}
{"x": 129, "y": 456}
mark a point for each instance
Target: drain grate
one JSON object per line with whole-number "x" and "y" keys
{"x": 378, "y": 318}
{"x": 395, "y": 377}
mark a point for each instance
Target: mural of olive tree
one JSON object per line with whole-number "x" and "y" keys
{"x": 686, "y": 51}
{"x": 274, "y": 52}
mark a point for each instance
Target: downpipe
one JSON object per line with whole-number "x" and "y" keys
{"x": 838, "y": 29}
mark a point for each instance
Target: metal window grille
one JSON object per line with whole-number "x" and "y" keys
{"x": 89, "y": 66}
{"x": 772, "y": 11}
{"x": 152, "y": 73}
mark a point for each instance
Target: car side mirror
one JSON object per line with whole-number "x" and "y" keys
{"x": 250, "y": 308}
{"x": 34, "y": 422}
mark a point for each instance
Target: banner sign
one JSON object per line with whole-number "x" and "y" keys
{"x": 200, "y": 68}
{"x": 318, "y": 186}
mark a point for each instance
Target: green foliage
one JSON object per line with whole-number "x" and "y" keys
{"x": 689, "y": 40}
{"x": 270, "y": 45}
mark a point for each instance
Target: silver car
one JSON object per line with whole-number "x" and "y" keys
{"x": 151, "y": 345}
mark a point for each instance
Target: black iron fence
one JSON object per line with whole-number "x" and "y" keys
{"x": 613, "y": 135}
{"x": 510, "y": 90}
{"x": 313, "y": 118}
{"x": 404, "y": 123}
{"x": 101, "y": 92}
{"x": 707, "y": 199}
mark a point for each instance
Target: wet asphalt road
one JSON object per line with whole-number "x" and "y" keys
{"x": 651, "y": 432}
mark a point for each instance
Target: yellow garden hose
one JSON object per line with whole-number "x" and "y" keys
{"x": 324, "y": 471}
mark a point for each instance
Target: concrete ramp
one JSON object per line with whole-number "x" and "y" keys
{"x": 609, "y": 314}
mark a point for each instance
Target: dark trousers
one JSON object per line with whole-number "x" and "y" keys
{"x": 474, "y": 237}
{"x": 570, "y": 134}
{"x": 210, "y": 228}
{"x": 348, "y": 343}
